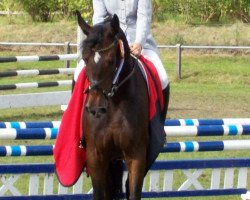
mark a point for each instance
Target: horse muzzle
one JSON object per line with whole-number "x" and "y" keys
{"x": 96, "y": 112}
{"x": 96, "y": 104}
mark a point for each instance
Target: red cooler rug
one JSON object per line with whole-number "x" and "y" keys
{"x": 70, "y": 159}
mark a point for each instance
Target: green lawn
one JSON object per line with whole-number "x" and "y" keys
{"x": 213, "y": 86}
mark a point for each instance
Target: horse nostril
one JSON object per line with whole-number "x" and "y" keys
{"x": 90, "y": 110}
{"x": 102, "y": 110}
{"x": 87, "y": 109}
{"x": 96, "y": 111}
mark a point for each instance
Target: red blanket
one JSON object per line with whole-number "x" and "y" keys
{"x": 70, "y": 160}
{"x": 154, "y": 86}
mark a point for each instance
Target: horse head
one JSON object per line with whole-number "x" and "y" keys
{"x": 104, "y": 51}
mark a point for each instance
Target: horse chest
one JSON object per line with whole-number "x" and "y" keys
{"x": 119, "y": 128}
{"x": 114, "y": 132}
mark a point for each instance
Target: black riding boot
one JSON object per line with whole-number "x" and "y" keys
{"x": 157, "y": 133}
{"x": 166, "y": 94}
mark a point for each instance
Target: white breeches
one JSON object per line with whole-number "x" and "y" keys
{"x": 147, "y": 53}
{"x": 79, "y": 67}
{"x": 155, "y": 59}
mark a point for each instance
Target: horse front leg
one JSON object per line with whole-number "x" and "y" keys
{"x": 136, "y": 171}
{"x": 98, "y": 171}
{"x": 98, "y": 186}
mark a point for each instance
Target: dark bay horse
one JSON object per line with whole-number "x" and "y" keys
{"x": 115, "y": 115}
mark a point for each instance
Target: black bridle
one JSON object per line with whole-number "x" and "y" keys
{"x": 96, "y": 85}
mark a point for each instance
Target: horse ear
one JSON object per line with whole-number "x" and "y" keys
{"x": 83, "y": 25}
{"x": 115, "y": 24}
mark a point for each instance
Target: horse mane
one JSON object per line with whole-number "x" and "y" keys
{"x": 122, "y": 36}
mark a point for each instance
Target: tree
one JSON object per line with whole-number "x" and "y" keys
{"x": 40, "y": 10}
{"x": 68, "y": 8}
{"x": 237, "y": 9}
{"x": 9, "y": 5}
{"x": 203, "y": 10}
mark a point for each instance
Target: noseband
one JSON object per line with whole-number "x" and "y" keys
{"x": 96, "y": 85}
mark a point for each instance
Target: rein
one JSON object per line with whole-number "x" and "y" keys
{"x": 115, "y": 87}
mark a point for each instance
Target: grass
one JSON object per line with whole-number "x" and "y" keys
{"x": 209, "y": 83}
{"x": 213, "y": 85}
{"x": 231, "y": 35}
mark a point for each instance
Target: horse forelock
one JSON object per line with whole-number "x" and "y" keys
{"x": 102, "y": 36}
{"x": 102, "y": 33}
{"x": 95, "y": 38}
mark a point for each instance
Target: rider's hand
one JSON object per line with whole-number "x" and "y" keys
{"x": 135, "y": 49}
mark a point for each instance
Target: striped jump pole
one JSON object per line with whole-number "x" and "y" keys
{"x": 36, "y": 85}
{"x": 38, "y": 58}
{"x": 211, "y": 130}
{"x": 202, "y": 122}
{"x": 168, "y": 122}
{"x": 171, "y": 147}
{"x": 194, "y": 146}
{"x": 24, "y": 125}
{"x": 35, "y": 72}
{"x": 19, "y": 132}
{"x": 28, "y": 134}
{"x": 43, "y": 150}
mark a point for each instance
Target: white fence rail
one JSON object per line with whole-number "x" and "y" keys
{"x": 180, "y": 178}
{"x": 4, "y": 12}
{"x": 179, "y": 48}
